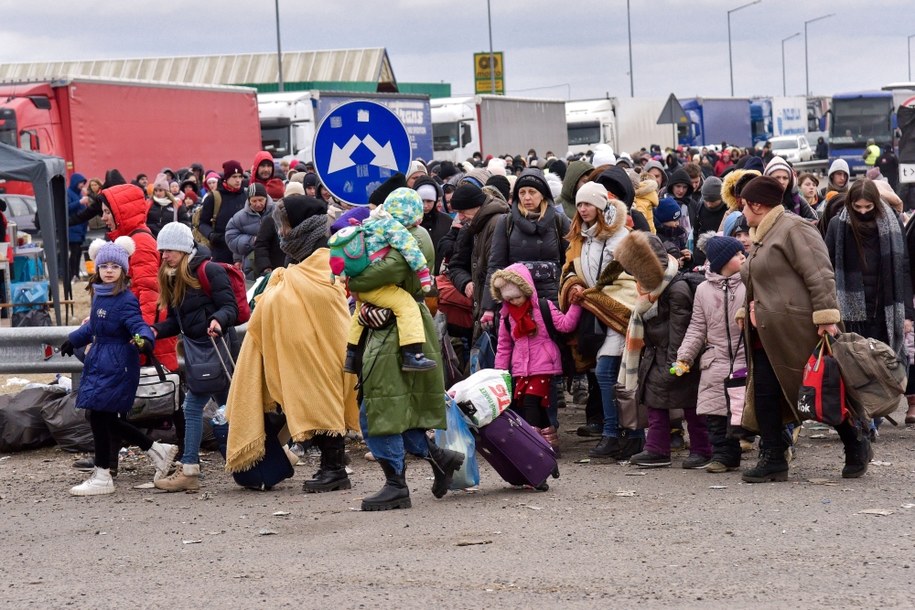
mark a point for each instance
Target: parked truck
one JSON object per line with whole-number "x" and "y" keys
{"x": 137, "y": 127}
{"x": 626, "y": 124}
{"x": 777, "y": 116}
{"x": 289, "y": 120}
{"x": 497, "y": 125}
{"x": 716, "y": 120}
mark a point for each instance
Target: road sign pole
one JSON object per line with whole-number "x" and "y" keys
{"x": 492, "y": 57}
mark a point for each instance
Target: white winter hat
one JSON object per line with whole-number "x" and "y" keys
{"x": 593, "y": 193}
{"x": 603, "y": 155}
{"x": 496, "y": 166}
{"x": 175, "y": 236}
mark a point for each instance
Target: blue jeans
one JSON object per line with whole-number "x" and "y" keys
{"x": 393, "y": 448}
{"x": 607, "y": 371}
{"x": 193, "y": 423}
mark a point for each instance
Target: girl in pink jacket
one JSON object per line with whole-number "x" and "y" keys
{"x": 525, "y": 348}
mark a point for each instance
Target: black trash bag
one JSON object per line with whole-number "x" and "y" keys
{"x": 68, "y": 425}
{"x": 21, "y": 425}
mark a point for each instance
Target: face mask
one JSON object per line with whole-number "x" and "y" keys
{"x": 866, "y": 216}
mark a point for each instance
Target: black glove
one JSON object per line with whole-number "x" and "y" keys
{"x": 66, "y": 348}
{"x": 217, "y": 239}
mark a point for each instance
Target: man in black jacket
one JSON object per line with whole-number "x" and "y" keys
{"x": 232, "y": 197}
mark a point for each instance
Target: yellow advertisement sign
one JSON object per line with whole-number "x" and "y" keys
{"x": 484, "y": 66}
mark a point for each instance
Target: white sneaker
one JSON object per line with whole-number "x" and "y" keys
{"x": 162, "y": 455}
{"x": 99, "y": 484}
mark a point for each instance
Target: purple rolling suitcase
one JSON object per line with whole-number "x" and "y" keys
{"x": 517, "y": 451}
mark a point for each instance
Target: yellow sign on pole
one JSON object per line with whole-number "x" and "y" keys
{"x": 488, "y": 73}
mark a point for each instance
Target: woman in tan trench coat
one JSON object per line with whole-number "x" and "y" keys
{"x": 791, "y": 302}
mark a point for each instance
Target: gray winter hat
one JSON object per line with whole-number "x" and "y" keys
{"x": 711, "y": 189}
{"x": 175, "y": 236}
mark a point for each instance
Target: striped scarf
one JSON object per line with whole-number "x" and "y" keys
{"x": 646, "y": 308}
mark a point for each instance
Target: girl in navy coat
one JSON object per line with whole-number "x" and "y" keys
{"x": 111, "y": 373}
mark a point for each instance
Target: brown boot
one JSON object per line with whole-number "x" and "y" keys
{"x": 186, "y": 478}
{"x": 910, "y": 414}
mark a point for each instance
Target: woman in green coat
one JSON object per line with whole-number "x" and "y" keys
{"x": 397, "y": 407}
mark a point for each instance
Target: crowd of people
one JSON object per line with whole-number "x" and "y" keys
{"x": 640, "y": 283}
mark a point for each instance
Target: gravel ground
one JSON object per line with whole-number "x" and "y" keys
{"x": 605, "y": 534}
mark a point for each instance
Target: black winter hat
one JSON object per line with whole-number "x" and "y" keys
{"x": 532, "y": 178}
{"x": 502, "y": 184}
{"x": 256, "y": 189}
{"x": 300, "y": 208}
{"x": 387, "y": 187}
{"x": 447, "y": 169}
{"x": 619, "y": 184}
{"x": 467, "y": 197}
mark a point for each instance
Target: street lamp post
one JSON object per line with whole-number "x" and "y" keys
{"x": 806, "y": 58}
{"x": 492, "y": 56}
{"x": 784, "y": 40}
{"x": 631, "y": 77}
{"x": 730, "y": 56}
{"x": 911, "y": 36}
{"x": 279, "y": 48}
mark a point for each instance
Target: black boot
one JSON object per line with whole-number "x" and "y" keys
{"x": 608, "y": 448}
{"x": 772, "y": 466}
{"x": 858, "y": 450}
{"x": 629, "y": 445}
{"x": 445, "y": 463}
{"x": 394, "y": 494}
{"x": 332, "y": 474}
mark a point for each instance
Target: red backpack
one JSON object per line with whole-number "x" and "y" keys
{"x": 236, "y": 279}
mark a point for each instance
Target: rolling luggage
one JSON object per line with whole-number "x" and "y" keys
{"x": 517, "y": 451}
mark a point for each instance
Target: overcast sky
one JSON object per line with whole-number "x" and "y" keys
{"x": 553, "y": 48}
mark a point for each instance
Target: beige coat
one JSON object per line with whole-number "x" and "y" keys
{"x": 790, "y": 280}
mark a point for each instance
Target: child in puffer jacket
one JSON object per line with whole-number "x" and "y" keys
{"x": 713, "y": 332}
{"x": 525, "y": 347}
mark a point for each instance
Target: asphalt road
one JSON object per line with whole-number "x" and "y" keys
{"x": 603, "y": 536}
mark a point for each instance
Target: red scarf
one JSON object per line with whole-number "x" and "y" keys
{"x": 522, "y": 318}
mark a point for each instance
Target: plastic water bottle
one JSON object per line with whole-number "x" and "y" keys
{"x": 219, "y": 418}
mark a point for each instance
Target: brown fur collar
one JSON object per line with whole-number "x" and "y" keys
{"x": 619, "y": 221}
{"x": 757, "y": 234}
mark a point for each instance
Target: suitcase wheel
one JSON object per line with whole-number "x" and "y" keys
{"x": 543, "y": 487}
{"x": 555, "y": 473}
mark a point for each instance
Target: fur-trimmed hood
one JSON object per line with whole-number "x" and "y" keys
{"x": 516, "y": 274}
{"x": 619, "y": 214}
{"x": 643, "y": 256}
{"x": 733, "y": 182}
{"x": 645, "y": 187}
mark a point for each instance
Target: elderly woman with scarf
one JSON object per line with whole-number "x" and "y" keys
{"x": 322, "y": 404}
{"x": 397, "y": 407}
{"x": 790, "y": 303}
{"x": 608, "y": 295}
{"x": 868, "y": 252}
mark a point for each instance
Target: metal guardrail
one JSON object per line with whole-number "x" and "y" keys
{"x": 32, "y": 350}
{"x": 821, "y": 164}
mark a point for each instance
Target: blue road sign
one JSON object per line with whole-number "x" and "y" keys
{"x": 358, "y": 146}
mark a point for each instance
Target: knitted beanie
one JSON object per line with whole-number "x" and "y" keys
{"x": 668, "y": 209}
{"x": 466, "y": 197}
{"x": 763, "y": 189}
{"x": 711, "y": 189}
{"x": 117, "y": 252}
{"x": 175, "y": 236}
{"x": 719, "y": 250}
{"x": 593, "y": 193}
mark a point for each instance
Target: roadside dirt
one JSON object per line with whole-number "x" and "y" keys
{"x": 607, "y": 535}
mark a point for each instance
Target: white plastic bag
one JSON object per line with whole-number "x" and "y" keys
{"x": 483, "y": 395}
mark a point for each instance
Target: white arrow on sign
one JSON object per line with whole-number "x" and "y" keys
{"x": 340, "y": 157}
{"x": 384, "y": 155}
